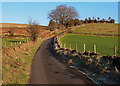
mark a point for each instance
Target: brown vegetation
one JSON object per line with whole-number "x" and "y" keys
{"x": 19, "y": 31}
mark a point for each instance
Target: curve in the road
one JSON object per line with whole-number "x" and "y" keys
{"x": 46, "y": 69}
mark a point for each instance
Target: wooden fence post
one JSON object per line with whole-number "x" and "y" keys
{"x": 64, "y": 45}
{"x": 94, "y": 48}
{"x": 5, "y": 44}
{"x": 27, "y": 39}
{"x": 115, "y": 51}
{"x": 70, "y": 45}
{"x": 116, "y": 70}
{"x": 11, "y": 43}
{"x": 60, "y": 45}
{"x": 84, "y": 47}
{"x": 76, "y": 47}
{"x": 58, "y": 41}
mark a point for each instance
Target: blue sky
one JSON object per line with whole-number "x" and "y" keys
{"x": 18, "y": 12}
{"x": 60, "y": 0}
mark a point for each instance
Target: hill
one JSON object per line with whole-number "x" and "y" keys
{"x": 99, "y": 28}
{"x": 22, "y": 30}
{"x": 8, "y": 25}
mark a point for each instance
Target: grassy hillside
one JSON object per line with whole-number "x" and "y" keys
{"x": 105, "y": 45}
{"x": 100, "y": 28}
{"x": 22, "y": 30}
{"x": 13, "y": 25}
{"x": 8, "y": 25}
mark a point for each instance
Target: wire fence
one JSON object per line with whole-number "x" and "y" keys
{"x": 93, "y": 48}
{"x": 13, "y": 43}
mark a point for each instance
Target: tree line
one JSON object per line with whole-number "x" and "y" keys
{"x": 77, "y": 22}
{"x": 68, "y": 16}
{"x": 98, "y": 20}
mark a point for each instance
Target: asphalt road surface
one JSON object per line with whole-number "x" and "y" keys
{"x": 46, "y": 69}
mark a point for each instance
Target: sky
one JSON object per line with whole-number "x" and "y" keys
{"x": 18, "y": 12}
{"x": 60, "y": 0}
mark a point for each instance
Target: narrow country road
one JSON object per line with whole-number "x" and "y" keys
{"x": 46, "y": 69}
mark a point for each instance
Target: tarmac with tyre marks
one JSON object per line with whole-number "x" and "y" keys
{"x": 46, "y": 69}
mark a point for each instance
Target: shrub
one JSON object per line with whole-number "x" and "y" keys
{"x": 12, "y": 31}
{"x": 34, "y": 29}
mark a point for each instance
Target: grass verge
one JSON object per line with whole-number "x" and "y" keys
{"x": 16, "y": 62}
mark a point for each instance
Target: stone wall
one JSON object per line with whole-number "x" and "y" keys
{"x": 105, "y": 66}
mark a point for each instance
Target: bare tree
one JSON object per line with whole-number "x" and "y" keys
{"x": 34, "y": 29}
{"x": 62, "y": 14}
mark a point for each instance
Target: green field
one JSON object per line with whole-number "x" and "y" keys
{"x": 102, "y": 28}
{"x": 104, "y": 45}
{"x": 11, "y": 40}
